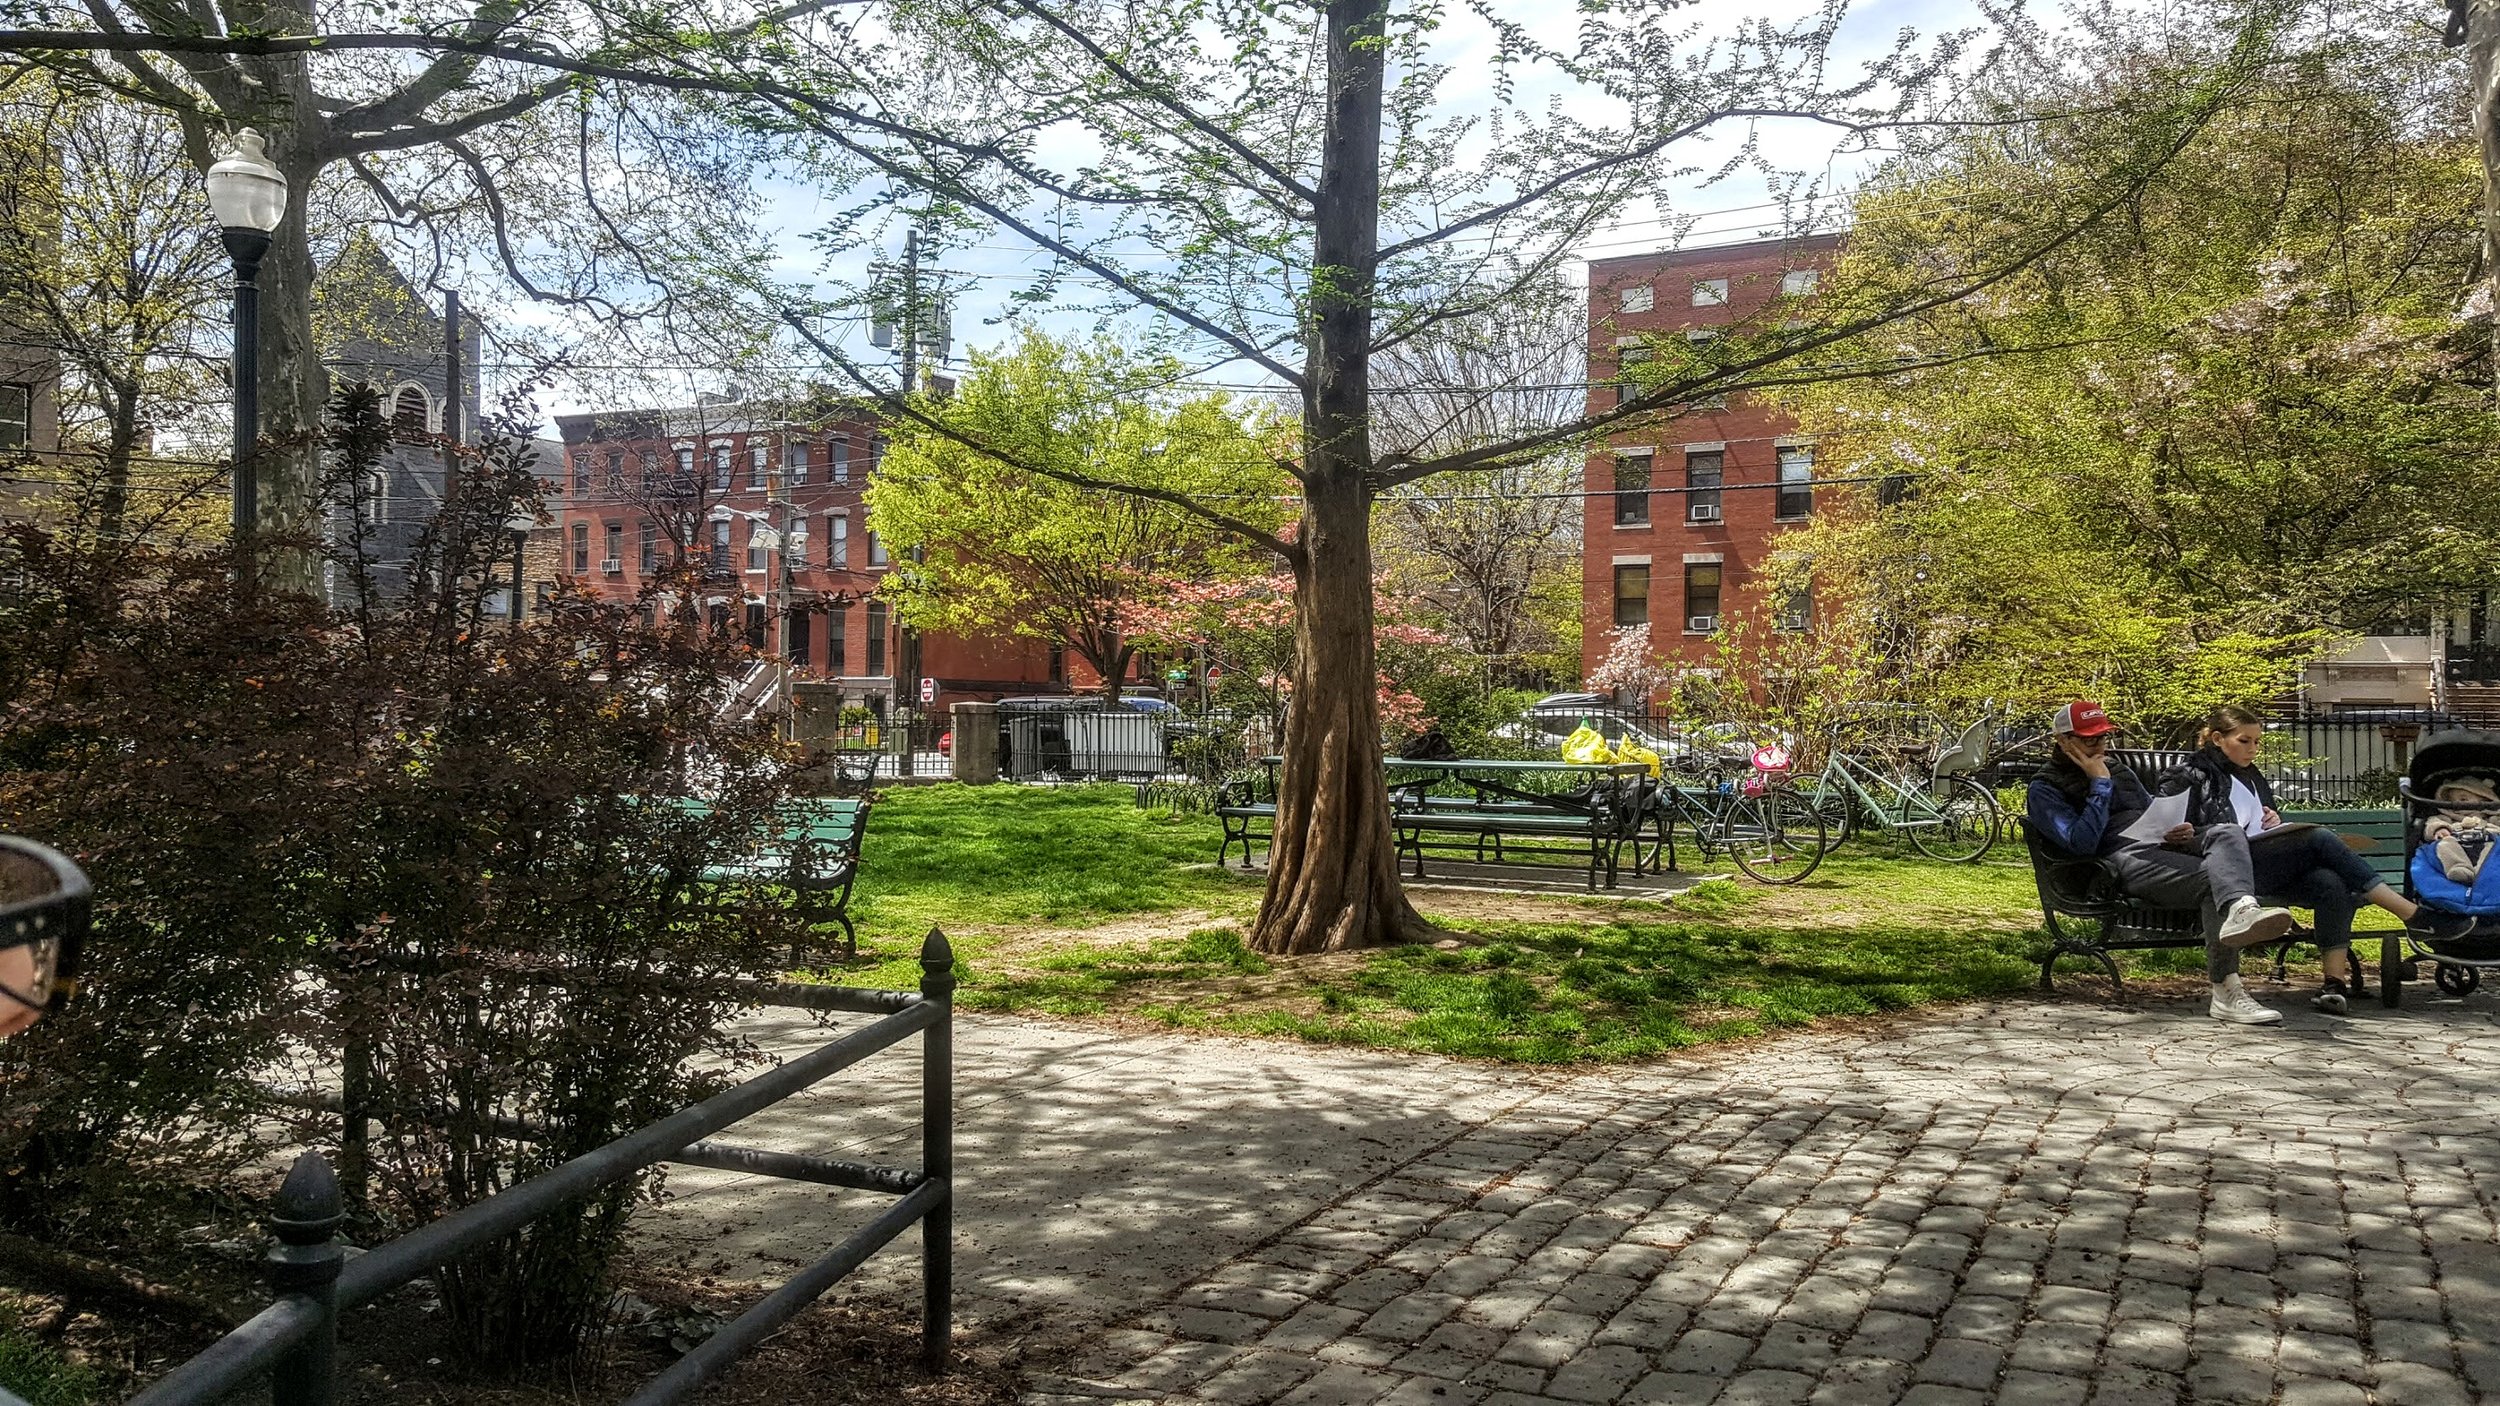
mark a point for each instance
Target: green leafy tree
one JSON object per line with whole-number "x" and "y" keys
{"x": 2247, "y": 415}
{"x": 1287, "y": 193}
{"x": 994, "y": 546}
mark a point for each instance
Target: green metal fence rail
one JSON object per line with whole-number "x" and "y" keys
{"x": 295, "y": 1340}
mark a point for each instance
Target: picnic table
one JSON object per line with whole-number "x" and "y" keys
{"x": 1598, "y": 805}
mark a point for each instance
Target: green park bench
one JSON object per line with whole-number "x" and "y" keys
{"x": 2088, "y": 915}
{"x": 814, "y": 855}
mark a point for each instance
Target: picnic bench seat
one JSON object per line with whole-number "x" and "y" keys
{"x": 1245, "y": 805}
{"x": 1418, "y": 817}
{"x": 814, "y": 854}
{"x": 2086, "y": 891}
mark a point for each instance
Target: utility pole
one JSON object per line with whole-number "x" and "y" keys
{"x": 451, "y": 393}
{"x": 911, "y": 307}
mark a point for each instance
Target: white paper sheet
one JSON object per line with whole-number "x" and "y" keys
{"x": 2155, "y": 822}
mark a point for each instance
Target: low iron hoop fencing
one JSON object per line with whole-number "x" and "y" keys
{"x": 295, "y": 1340}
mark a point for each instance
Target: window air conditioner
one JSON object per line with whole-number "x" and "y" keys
{"x": 611, "y": 566}
{"x": 1792, "y": 622}
{"x": 1701, "y": 512}
{"x": 1701, "y": 624}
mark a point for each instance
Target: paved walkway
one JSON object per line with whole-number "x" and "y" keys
{"x": 2036, "y": 1203}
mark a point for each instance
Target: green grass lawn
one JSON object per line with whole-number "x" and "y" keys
{"x": 1026, "y": 881}
{"x": 1074, "y": 902}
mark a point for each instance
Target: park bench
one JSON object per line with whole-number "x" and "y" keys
{"x": 2075, "y": 891}
{"x": 1245, "y": 805}
{"x": 814, "y": 854}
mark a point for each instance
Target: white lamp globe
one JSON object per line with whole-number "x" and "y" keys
{"x": 246, "y": 189}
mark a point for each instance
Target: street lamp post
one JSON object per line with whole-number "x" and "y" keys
{"x": 248, "y": 193}
{"x": 520, "y": 525}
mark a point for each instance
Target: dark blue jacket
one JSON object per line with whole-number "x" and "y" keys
{"x": 2089, "y": 823}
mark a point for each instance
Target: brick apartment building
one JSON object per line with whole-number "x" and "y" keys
{"x": 1681, "y": 510}
{"x": 715, "y": 481}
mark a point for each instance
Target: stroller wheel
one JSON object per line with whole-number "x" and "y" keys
{"x": 2458, "y": 981}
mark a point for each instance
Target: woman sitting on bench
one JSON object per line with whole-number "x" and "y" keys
{"x": 2312, "y": 865}
{"x": 2086, "y": 802}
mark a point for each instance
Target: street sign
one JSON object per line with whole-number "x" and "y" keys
{"x": 928, "y": 690}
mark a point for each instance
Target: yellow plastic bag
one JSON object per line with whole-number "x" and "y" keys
{"x": 1587, "y": 744}
{"x": 1632, "y": 751}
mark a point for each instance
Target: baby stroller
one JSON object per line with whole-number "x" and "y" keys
{"x": 2445, "y": 758}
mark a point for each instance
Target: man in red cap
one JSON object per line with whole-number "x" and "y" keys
{"x": 2086, "y": 802}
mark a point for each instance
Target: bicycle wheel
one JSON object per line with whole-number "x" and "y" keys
{"x": 1955, "y": 819}
{"x": 1838, "y": 811}
{"x": 1777, "y": 837}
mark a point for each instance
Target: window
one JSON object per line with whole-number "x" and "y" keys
{"x": 377, "y": 497}
{"x": 1796, "y": 490}
{"x": 720, "y": 545}
{"x": 581, "y": 549}
{"x": 615, "y": 482}
{"x": 1701, "y": 597}
{"x": 1704, "y": 471}
{"x": 720, "y": 467}
{"x": 614, "y": 560}
{"x": 581, "y": 473}
{"x": 838, "y": 534}
{"x": 649, "y": 468}
{"x": 876, "y": 450}
{"x": 794, "y": 461}
{"x": 876, "y": 549}
{"x": 650, "y": 547}
{"x": 1800, "y": 283}
{"x": 759, "y": 466}
{"x": 794, "y": 546}
{"x": 1058, "y": 662}
{"x": 794, "y": 639}
{"x": 1632, "y": 594}
{"x": 837, "y": 639}
{"x": 1631, "y": 489}
{"x": 408, "y": 413}
{"x": 756, "y": 616}
{"x": 1628, "y": 383}
{"x": 1796, "y": 612}
{"x": 876, "y": 638}
{"x": 685, "y": 469}
{"x": 838, "y": 454}
{"x": 1640, "y": 297}
{"x": 759, "y": 556}
{"x": 1709, "y": 292}
{"x": 17, "y": 404}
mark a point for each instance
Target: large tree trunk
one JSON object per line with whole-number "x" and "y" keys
{"x": 1332, "y": 880}
{"x": 293, "y": 386}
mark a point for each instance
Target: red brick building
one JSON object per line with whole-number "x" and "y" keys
{"x": 1681, "y": 509}
{"x": 721, "y": 480}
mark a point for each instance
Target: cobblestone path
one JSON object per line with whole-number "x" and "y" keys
{"x": 2038, "y": 1203}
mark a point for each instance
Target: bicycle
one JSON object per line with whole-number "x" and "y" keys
{"x": 1946, "y": 814}
{"x": 1761, "y": 824}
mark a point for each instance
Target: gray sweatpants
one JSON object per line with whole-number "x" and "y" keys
{"x": 2213, "y": 879}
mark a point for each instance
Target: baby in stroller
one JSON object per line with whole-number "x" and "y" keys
{"x": 2461, "y": 838}
{"x": 2452, "y": 814}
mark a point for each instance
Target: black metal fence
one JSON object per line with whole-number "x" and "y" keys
{"x": 295, "y": 1340}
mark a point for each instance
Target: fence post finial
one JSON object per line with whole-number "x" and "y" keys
{"x": 305, "y": 1263}
{"x": 937, "y": 966}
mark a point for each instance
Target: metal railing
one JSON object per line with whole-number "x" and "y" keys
{"x": 295, "y": 1340}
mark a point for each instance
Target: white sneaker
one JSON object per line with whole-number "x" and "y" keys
{"x": 2233, "y": 1003}
{"x": 2246, "y": 924}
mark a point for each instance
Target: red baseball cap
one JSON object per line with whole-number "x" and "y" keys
{"x": 2083, "y": 718}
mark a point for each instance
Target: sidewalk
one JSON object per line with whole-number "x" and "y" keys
{"x": 2029, "y": 1202}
